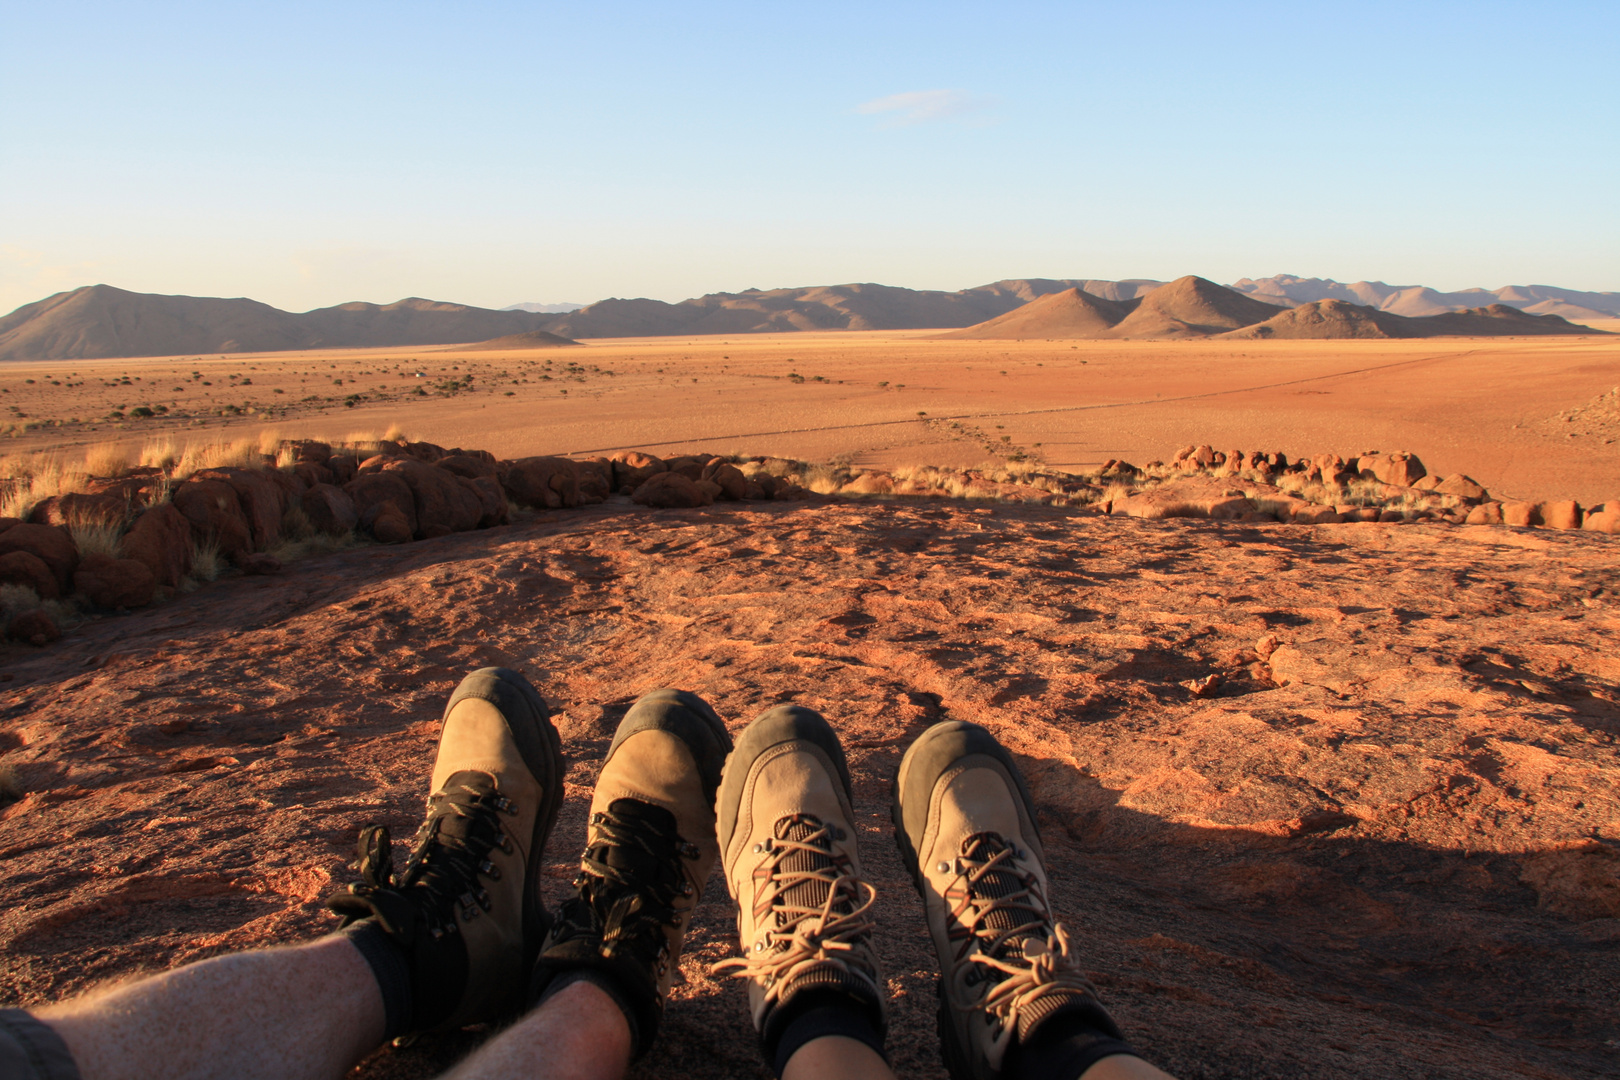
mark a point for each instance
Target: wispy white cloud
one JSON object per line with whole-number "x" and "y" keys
{"x": 923, "y": 106}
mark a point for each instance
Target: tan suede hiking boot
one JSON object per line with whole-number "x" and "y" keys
{"x": 649, "y": 849}
{"x": 787, "y": 842}
{"x": 965, "y": 825}
{"x": 466, "y": 910}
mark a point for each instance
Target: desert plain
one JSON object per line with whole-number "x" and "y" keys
{"x": 1383, "y": 842}
{"x": 1530, "y": 418}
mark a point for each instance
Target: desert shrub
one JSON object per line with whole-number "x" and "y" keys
{"x": 96, "y": 538}
{"x": 206, "y": 562}
{"x": 242, "y": 453}
{"x": 106, "y": 459}
{"x": 16, "y": 599}
{"x": 269, "y": 441}
{"x": 37, "y": 478}
{"x": 160, "y": 454}
{"x": 825, "y": 479}
{"x": 395, "y": 433}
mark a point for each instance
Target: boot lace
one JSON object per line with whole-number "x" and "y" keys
{"x": 631, "y": 874}
{"x": 809, "y": 936}
{"x": 450, "y": 853}
{"x": 1019, "y": 956}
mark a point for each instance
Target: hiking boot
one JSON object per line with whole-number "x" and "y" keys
{"x": 466, "y": 909}
{"x": 649, "y": 849}
{"x": 965, "y": 825}
{"x": 787, "y": 841}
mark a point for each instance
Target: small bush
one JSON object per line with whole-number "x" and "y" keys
{"x": 206, "y": 562}
{"x": 106, "y": 459}
{"x": 16, "y": 599}
{"x": 93, "y": 539}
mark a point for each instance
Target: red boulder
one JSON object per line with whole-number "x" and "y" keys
{"x": 51, "y": 545}
{"x": 631, "y": 469}
{"x": 542, "y": 483}
{"x": 262, "y": 498}
{"x": 330, "y": 510}
{"x": 114, "y": 583}
{"x": 374, "y": 493}
{"x": 443, "y": 505}
{"x": 79, "y": 509}
{"x": 670, "y": 490}
{"x": 160, "y": 540}
{"x": 215, "y": 515}
{"x": 35, "y": 627}
{"x": 26, "y": 568}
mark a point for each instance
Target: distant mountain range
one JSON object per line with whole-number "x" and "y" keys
{"x": 1417, "y": 300}
{"x": 101, "y": 321}
{"x": 1192, "y": 307}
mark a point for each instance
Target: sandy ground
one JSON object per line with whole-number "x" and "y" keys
{"x": 1385, "y": 848}
{"x": 1488, "y": 407}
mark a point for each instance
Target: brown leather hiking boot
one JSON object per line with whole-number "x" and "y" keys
{"x": 787, "y": 842}
{"x": 466, "y": 909}
{"x": 649, "y": 849}
{"x": 965, "y": 825}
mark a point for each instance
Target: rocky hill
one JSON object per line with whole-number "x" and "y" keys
{"x": 1338, "y": 319}
{"x": 99, "y": 320}
{"x": 1417, "y": 300}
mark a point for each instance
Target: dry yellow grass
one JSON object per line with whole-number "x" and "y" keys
{"x": 106, "y": 459}
{"x": 35, "y": 478}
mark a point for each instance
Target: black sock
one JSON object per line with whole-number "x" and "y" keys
{"x": 392, "y": 971}
{"x": 819, "y": 1014}
{"x": 1062, "y": 1051}
{"x": 609, "y": 986}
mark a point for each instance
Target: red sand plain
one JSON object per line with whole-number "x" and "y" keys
{"x": 1486, "y": 407}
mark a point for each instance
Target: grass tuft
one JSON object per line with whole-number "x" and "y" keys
{"x": 106, "y": 459}
{"x": 96, "y": 539}
{"x": 206, "y": 561}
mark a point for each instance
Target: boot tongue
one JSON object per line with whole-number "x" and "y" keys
{"x": 810, "y": 892}
{"x": 998, "y": 883}
{"x": 639, "y": 862}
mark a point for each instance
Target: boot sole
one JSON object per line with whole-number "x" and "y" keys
{"x": 529, "y": 720}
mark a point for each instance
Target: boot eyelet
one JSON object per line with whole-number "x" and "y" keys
{"x": 944, "y": 868}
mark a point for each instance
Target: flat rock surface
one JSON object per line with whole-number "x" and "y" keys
{"x": 1381, "y": 842}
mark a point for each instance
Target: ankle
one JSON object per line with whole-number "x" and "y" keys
{"x": 641, "y": 1023}
{"x": 1065, "y": 1044}
{"x": 390, "y": 966}
{"x": 816, "y": 1014}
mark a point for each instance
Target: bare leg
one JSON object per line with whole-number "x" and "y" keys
{"x": 852, "y": 1060}
{"x": 307, "y": 1012}
{"x": 1124, "y": 1067}
{"x": 578, "y": 1034}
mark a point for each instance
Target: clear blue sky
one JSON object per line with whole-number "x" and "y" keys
{"x": 490, "y": 153}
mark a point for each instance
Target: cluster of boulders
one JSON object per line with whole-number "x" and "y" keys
{"x": 143, "y": 530}
{"x": 1386, "y": 477}
{"x": 692, "y": 480}
{"x": 405, "y": 491}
